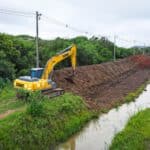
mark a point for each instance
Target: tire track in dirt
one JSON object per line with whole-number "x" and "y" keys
{"x": 11, "y": 111}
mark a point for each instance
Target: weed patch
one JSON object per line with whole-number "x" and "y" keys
{"x": 44, "y": 123}
{"x": 133, "y": 95}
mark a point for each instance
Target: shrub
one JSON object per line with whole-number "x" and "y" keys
{"x": 66, "y": 107}
{"x": 23, "y": 94}
{"x": 29, "y": 96}
{"x": 7, "y": 70}
{"x": 35, "y": 108}
{"x": 4, "y": 83}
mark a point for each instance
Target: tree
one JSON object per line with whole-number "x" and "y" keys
{"x": 7, "y": 70}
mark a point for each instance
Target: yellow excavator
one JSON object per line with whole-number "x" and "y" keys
{"x": 41, "y": 78}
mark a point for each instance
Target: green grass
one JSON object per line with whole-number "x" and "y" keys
{"x": 7, "y": 93}
{"x": 136, "y": 135}
{"x": 45, "y": 122}
{"x": 133, "y": 95}
{"x": 60, "y": 118}
{"x": 8, "y": 100}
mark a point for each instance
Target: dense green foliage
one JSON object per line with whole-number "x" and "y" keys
{"x": 4, "y": 83}
{"x": 17, "y": 53}
{"x": 35, "y": 108}
{"x": 136, "y": 135}
{"x": 44, "y": 123}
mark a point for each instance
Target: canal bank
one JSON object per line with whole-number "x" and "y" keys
{"x": 98, "y": 134}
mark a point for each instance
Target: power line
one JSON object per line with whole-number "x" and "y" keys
{"x": 55, "y": 21}
{"x": 18, "y": 13}
{"x": 59, "y": 23}
{"x": 125, "y": 40}
{"x": 65, "y": 25}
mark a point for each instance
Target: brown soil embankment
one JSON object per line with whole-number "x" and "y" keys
{"x": 105, "y": 84}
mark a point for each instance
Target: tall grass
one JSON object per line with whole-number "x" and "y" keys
{"x": 136, "y": 135}
{"x": 56, "y": 119}
{"x": 8, "y": 100}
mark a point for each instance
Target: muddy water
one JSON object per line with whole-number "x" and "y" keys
{"x": 97, "y": 135}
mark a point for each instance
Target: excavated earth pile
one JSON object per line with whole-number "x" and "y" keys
{"x": 103, "y": 85}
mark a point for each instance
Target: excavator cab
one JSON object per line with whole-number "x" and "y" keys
{"x": 36, "y": 72}
{"x": 35, "y": 75}
{"x": 40, "y": 78}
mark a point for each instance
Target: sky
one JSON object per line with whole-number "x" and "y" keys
{"x": 128, "y": 20}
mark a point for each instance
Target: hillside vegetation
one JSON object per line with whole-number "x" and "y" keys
{"x": 17, "y": 53}
{"x": 37, "y": 122}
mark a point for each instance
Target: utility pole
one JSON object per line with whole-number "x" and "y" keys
{"x": 114, "y": 53}
{"x": 134, "y": 47}
{"x": 144, "y": 48}
{"x": 37, "y": 38}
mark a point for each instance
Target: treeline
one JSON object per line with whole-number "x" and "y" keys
{"x": 17, "y": 53}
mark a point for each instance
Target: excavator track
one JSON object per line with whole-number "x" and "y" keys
{"x": 53, "y": 92}
{"x": 40, "y": 78}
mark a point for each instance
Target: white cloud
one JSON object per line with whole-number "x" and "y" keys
{"x": 126, "y": 18}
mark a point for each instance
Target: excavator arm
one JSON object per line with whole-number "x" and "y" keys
{"x": 68, "y": 52}
{"x": 42, "y": 82}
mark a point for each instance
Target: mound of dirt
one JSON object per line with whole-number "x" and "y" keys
{"x": 102, "y": 85}
{"x": 142, "y": 60}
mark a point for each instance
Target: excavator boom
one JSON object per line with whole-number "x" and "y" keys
{"x": 68, "y": 52}
{"x": 39, "y": 79}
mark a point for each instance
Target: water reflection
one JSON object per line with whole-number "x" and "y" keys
{"x": 97, "y": 135}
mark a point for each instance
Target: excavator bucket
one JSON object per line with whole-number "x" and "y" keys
{"x": 70, "y": 78}
{"x": 40, "y": 79}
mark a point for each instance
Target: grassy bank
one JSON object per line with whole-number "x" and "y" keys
{"x": 133, "y": 95}
{"x": 8, "y": 100}
{"x": 136, "y": 135}
{"x": 44, "y": 123}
